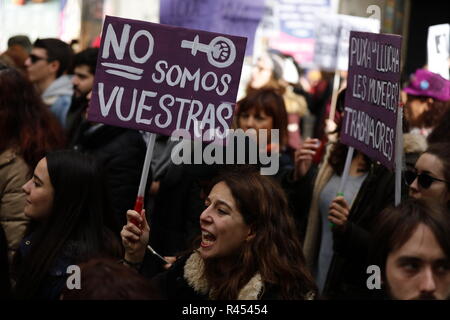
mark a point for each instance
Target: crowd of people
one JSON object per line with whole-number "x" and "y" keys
{"x": 221, "y": 231}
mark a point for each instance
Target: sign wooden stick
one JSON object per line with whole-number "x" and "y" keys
{"x": 134, "y": 73}
{"x": 139, "y": 204}
{"x": 336, "y": 84}
{"x": 348, "y": 162}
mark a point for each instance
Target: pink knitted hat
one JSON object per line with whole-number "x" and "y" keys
{"x": 429, "y": 84}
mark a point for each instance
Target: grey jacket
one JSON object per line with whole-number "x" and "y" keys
{"x": 59, "y": 96}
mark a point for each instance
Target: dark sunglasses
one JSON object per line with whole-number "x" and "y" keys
{"x": 34, "y": 58}
{"x": 424, "y": 179}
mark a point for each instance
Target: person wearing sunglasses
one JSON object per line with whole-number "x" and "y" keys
{"x": 47, "y": 66}
{"x": 431, "y": 176}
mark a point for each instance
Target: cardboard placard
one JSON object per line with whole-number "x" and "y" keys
{"x": 438, "y": 49}
{"x": 160, "y": 78}
{"x": 332, "y": 38}
{"x": 372, "y": 96}
{"x": 237, "y": 17}
{"x": 297, "y": 26}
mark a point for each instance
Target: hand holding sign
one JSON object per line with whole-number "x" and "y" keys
{"x": 135, "y": 239}
{"x": 338, "y": 213}
{"x": 372, "y": 119}
{"x": 142, "y": 83}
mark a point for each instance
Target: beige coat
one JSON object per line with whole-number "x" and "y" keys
{"x": 14, "y": 173}
{"x": 194, "y": 275}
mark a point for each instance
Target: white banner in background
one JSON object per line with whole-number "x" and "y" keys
{"x": 332, "y": 38}
{"x": 438, "y": 49}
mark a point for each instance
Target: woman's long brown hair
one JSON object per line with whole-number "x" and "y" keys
{"x": 26, "y": 123}
{"x": 274, "y": 252}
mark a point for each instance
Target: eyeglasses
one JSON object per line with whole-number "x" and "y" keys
{"x": 34, "y": 58}
{"x": 424, "y": 179}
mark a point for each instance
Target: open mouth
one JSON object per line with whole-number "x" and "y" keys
{"x": 208, "y": 239}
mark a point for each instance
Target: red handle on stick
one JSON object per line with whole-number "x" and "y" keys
{"x": 138, "y": 206}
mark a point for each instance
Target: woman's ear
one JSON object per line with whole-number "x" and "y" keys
{"x": 251, "y": 234}
{"x": 430, "y": 102}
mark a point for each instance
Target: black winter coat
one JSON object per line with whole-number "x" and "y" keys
{"x": 178, "y": 205}
{"x": 121, "y": 152}
{"x": 54, "y": 281}
{"x": 299, "y": 195}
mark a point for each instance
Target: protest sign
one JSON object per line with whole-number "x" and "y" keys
{"x": 327, "y": 41}
{"x": 297, "y": 24}
{"x": 352, "y": 23}
{"x": 332, "y": 38}
{"x": 237, "y": 17}
{"x": 372, "y": 96}
{"x": 331, "y": 49}
{"x": 438, "y": 49}
{"x": 161, "y": 78}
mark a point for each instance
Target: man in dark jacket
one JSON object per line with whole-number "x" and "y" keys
{"x": 84, "y": 65}
{"x": 121, "y": 153}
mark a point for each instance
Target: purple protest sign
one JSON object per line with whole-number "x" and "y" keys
{"x": 238, "y": 17}
{"x": 160, "y": 78}
{"x": 372, "y": 97}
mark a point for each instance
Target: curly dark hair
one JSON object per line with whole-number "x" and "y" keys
{"x": 441, "y": 133}
{"x": 433, "y": 116}
{"x": 107, "y": 279}
{"x": 275, "y": 252}
{"x": 26, "y": 123}
{"x": 270, "y": 101}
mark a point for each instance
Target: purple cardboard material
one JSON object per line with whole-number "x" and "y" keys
{"x": 238, "y": 17}
{"x": 160, "y": 78}
{"x": 372, "y": 96}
